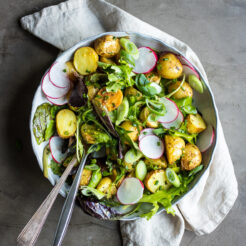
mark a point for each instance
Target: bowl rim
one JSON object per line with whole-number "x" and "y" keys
{"x": 121, "y": 34}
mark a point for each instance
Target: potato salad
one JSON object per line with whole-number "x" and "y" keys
{"x": 136, "y": 105}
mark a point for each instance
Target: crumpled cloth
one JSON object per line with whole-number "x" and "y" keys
{"x": 205, "y": 207}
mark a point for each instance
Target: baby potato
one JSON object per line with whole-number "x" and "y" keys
{"x": 191, "y": 158}
{"x": 169, "y": 66}
{"x": 156, "y": 180}
{"x": 71, "y": 71}
{"x": 66, "y": 123}
{"x": 104, "y": 184}
{"x": 160, "y": 163}
{"x": 92, "y": 91}
{"x": 153, "y": 77}
{"x": 144, "y": 117}
{"x": 111, "y": 100}
{"x": 107, "y": 46}
{"x": 174, "y": 148}
{"x": 85, "y": 60}
{"x": 107, "y": 60}
{"x": 127, "y": 125}
{"x": 131, "y": 91}
{"x": 85, "y": 177}
{"x": 184, "y": 91}
{"x": 195, "y": 123}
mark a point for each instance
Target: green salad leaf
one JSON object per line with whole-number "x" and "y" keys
{"x": 43, "y": 123}
{"x": 185, "y": 105}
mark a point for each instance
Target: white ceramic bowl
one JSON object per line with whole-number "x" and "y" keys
{"x": 204, "y": 102}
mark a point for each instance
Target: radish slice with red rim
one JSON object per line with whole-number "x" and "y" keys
{"x": 145, "y": 132}
{"x": 58, "y": 76}
{"x": 130, "y": 191}
{"x": 184, "y": 61}
{"x": 52, "y": 91}
{"x": 58, "y": 102}
{"x": 172, "y": 111}
{"x": 151, "y": 146}
{"x": 176, "y": 123}
{"x": 205, "y": 139}
{"x": 190, "y": 71}
{"x": 56, "y": 144}
{"x": 146, "y": 62}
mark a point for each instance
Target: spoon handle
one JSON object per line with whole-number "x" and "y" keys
{"x": 68, "y": 206}
{"x": 31, "y": 231}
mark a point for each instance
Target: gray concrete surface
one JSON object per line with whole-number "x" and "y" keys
{"x": 215, "y": 29}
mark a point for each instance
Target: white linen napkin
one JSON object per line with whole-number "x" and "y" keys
{"x": 203, "y": 209}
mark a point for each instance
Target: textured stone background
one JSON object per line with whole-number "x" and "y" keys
{"x": 215, "y": 29}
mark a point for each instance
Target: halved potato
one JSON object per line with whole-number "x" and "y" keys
{"x": 106, "y": 186}
{"x": 71, "y": 71}
{"x": 184, "y": 91}
{"x": 153, "y": 77}
{"x": 174, "y": 148}
{"x": 85, "y": 60}
{"x": 144, "y": 117}
{"x": 107, "y": 46}
{"x": 85, "y": 177}
{"x": 133, "y": 134}
{"x": 111, "y": 100}
{"x": 195, "y": 123}
{"x": 160, "y": 163}
{"x": 107, "y": 60}
{"x": 131, "y": 91}
{"x": 169, "y": 66}
{"x": 66, "y": 123}
{"x": 156, "y": 180}
{"x": 191, "y": 158}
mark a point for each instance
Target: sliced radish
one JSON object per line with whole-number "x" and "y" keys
{"x": 56, "y": 144}
{"x": 130, "y": 191}
{"x": 59, "y": 102}
{"x": 189, "y": 71}
{"x": 176, "y": 123}
{"x": 151, "y": 146}
{"x": 146, "y": 62}
{"x": 145, "y": 132}
{"x": 205, "y": 139}
{"x": 52, "y": 91}
{"x": 172, "y": 111}
{"x": 58, "y": 76}
{"x": 184, "y": 61}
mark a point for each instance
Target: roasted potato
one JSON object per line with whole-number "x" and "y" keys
{"x": 195, "y": 123}
{"x": 106, "y": 186}
{"x": 144, "y": 117}
{"x": 127, "y": 125}
{"x": 174, "y": 148}
{"x": 85, "y": 177}
{"x": 153, "y": 77}
{"x": 191, "y": 158}
{"x": 107, "y": 60}
{"x": 156, "y": 180}
{"x": 169, "y": 66}
{"x": 131, "y": 91}
{"x": 107, "y": 46}
{"x": 92, "y": 91}
{"x": 66, "y": 123}
{"x": 92, "y": 134}
{"x": 184, "y": 91}
{"x": 160, "y": 163}
{"x": 71, "y": 71}
{"x": 128, "y": 166}
{"x": 111, "y": 100}
{"x": 85, "y": 60}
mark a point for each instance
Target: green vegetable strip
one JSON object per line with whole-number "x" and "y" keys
{"x": 173, "y": 92}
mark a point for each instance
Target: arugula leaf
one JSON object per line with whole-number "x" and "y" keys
{"x": 144, "y": 86}
{"x": 185, "y": 105}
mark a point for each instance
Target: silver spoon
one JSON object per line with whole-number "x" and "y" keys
{"x": 65, "y": 217}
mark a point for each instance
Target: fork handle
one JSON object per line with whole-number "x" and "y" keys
{"x": 31, "y": 231}
{"x": 68, "y": 206}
